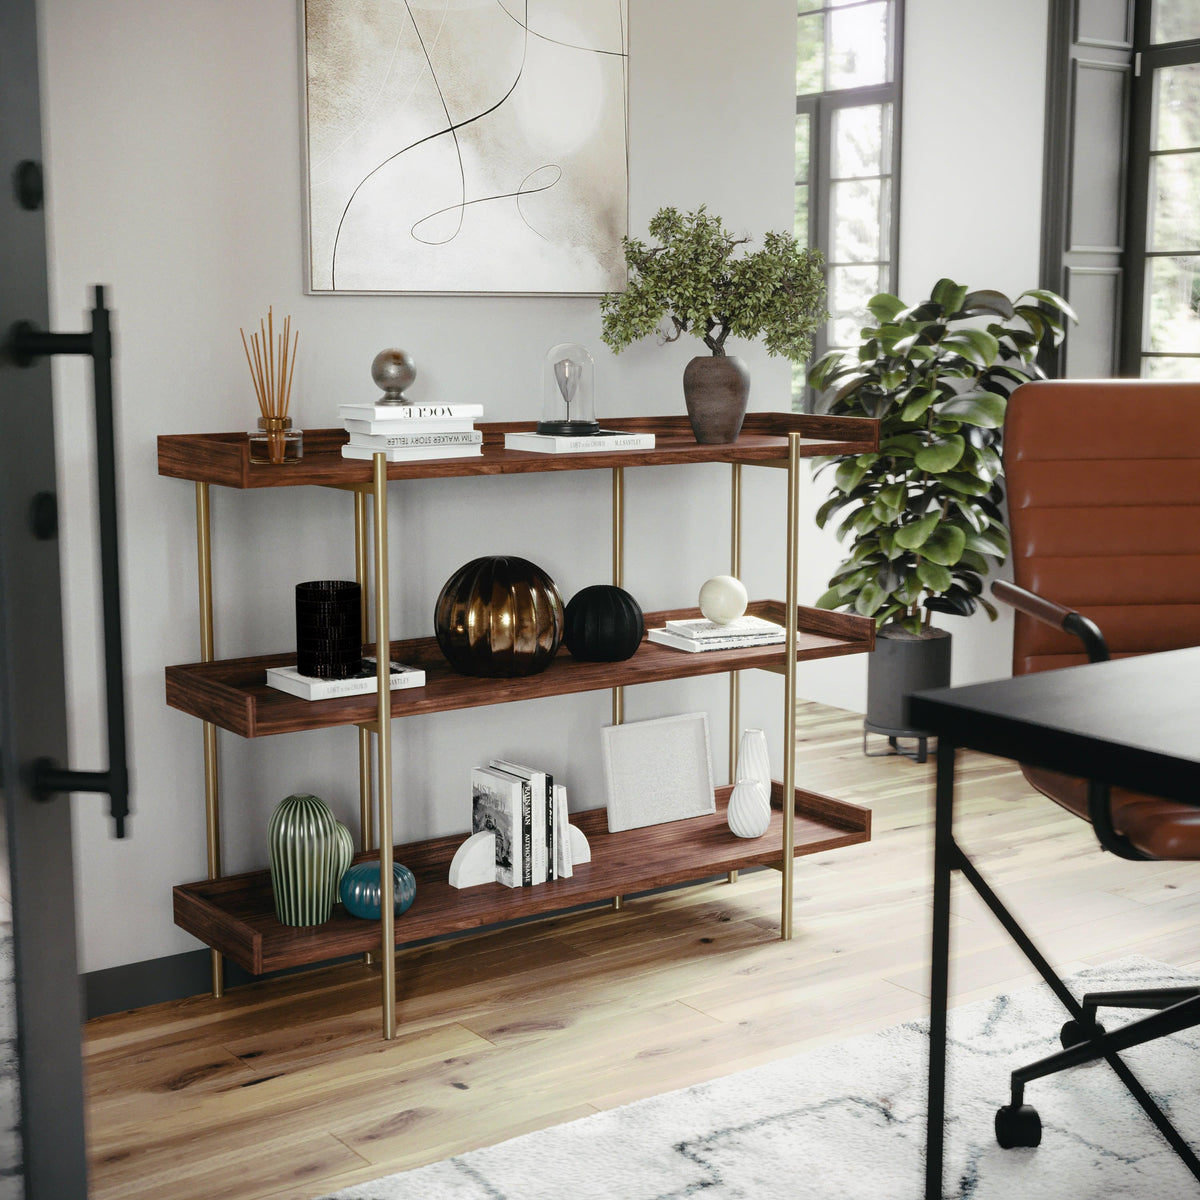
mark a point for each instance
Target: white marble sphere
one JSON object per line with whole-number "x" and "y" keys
{"x": 723, "y": 599}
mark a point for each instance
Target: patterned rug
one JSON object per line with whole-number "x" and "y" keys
{"x": 847, "y": 1122}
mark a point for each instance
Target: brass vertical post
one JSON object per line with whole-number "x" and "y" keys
{"x": 618, "y": 578}
{"x": 789, "y": 686}
{"x": 735, "y": 569}
{"x": 618, "y": 568}
{"x": 387, "y": 960}
{"x": 212, "y": 799}
{"x": 361, "y": 559}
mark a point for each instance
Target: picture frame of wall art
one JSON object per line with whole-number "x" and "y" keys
{"x": 657, "y": 771}
{"x": 475, "y": 147}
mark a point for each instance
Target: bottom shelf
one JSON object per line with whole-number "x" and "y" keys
{"x": 236, "y": 914}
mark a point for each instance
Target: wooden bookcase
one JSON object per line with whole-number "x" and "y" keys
{"x": 234, "y": 915}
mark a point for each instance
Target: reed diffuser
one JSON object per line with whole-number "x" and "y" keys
{"x": 272, "y": 362}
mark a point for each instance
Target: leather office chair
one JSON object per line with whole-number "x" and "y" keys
{"x": 1104, "y": 506}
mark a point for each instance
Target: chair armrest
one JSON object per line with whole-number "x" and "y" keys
{"x": 1046, "y": 611}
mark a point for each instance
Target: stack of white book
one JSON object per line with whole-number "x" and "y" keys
{"x": 362, "y": 682}
{"x": 527, "y": 811}
{"x": 407, "y": 432}
{"x": 698, "y": 634}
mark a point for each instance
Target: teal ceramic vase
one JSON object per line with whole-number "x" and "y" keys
{"x": 344, "y": 855}
{"x": 360, "y": 890}
{"x": 303, "y": 842}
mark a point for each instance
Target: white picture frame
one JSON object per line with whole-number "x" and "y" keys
{"x": 467, "y": 148}
{"x": 657, "y": 771}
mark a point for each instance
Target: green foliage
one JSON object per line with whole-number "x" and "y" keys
{"x": 695, "y": 278}
{"x": 922, "y": 517}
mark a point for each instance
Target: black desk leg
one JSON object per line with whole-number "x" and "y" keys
{"x": 939, "y": 984}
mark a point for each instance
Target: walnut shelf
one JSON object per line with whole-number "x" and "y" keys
{"x": 236, "y": 914}
{"x": 233, "y": 694}
{"x": 224, "y": 458}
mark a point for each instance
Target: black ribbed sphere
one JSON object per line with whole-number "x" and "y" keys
{"x": 603, "y": 624}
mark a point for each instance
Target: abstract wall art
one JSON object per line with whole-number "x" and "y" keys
{"x": 466, "y": 145}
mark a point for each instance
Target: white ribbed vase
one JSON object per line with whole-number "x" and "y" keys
{"x": 749, "y": 812}
{"x": 753, "y": 761}
{"x": 302, "y": 838}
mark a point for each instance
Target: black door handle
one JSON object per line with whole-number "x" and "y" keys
{"x": 25, "y": 344}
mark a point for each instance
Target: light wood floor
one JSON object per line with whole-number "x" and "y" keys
{"x": 285, "y": 1089}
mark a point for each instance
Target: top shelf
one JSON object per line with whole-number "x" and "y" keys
{"x": 224, "y": 458}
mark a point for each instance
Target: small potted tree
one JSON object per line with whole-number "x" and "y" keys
{"x": 922, "y": 517}
{"x": 695, "y": 278}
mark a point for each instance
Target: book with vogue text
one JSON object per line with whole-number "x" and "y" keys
{"x": 409, "y": 412}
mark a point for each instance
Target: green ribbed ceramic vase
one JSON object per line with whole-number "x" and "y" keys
{"x": 303, "y": 842}
{"x": 345, "y": 856}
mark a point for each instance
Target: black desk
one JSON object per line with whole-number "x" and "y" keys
{"x": 1133, "y": 722}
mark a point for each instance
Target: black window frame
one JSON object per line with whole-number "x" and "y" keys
{"x": 820, "y": 108}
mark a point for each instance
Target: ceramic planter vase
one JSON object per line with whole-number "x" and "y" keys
{"x": 303, "y": 842}
{"x": 716, "y": 390}
{"x": 749, "y": 811}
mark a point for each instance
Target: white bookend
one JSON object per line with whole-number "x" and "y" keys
{"x": 496, "y": 806}
{"x": 413, "y": 453}
{"x": 595, "y": 443}
{"x": 413, "y": 441}
{"x": 366, "y": 681}
{"x": 564, "y": 863}
{"x": 664, "y": 637}
{"x": 581, "y": 852}
{"x": 474, "y": 862}
{"x": 409, "y": 412}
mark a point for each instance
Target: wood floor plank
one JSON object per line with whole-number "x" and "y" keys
{"x": 285, "y": 1089}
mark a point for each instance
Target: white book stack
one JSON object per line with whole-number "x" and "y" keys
{"x": 697, "y": 635}
{"x": 410, "y": 432}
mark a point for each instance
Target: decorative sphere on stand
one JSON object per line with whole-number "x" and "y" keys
{"x": 393, "y": 371}
{"x": 723, "y": 599}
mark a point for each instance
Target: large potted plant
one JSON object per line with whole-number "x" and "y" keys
{"x": 695, "y": 279}
{"x": 921, "y": 517}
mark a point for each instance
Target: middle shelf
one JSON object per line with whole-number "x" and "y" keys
{"x": 232, "y": 693}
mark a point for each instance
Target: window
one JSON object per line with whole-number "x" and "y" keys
{"x": 847, "y": 155}
{"x": 1162, "y": 325}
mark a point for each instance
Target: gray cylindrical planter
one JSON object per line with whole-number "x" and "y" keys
{"x": 900, "y": 664}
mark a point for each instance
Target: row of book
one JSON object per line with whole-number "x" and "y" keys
{"x": 409, "y": 432}
{"x": 697, "y": 635}
{"x": 527, "y": 812}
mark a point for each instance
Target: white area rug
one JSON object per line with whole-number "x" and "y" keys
{"x": 847, "y": 1122}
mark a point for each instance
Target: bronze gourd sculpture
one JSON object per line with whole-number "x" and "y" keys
{"x": 499, "y": 617}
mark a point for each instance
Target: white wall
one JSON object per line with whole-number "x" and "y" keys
{"x": 173, "y": 149}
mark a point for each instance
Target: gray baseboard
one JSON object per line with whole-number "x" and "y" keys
{"x": 157, "y": 980}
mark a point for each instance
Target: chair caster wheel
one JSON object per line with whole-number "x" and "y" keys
{"x": 1018, "y": 1126}
{"x": 1075, "y": 1033}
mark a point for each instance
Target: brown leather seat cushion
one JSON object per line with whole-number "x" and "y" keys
{"x": 1159, "y": 828}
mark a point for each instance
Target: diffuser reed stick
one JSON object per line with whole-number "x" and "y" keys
{"x": 272, "y": 363}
